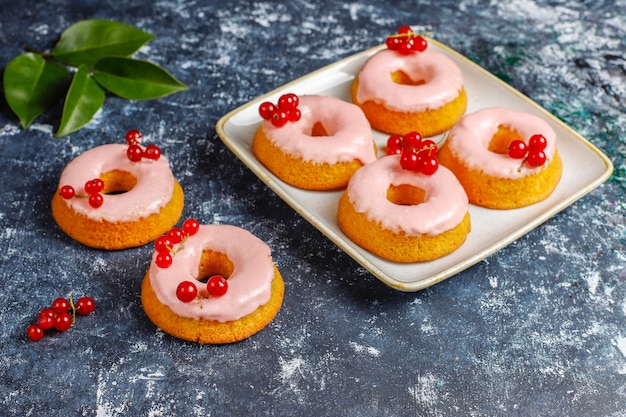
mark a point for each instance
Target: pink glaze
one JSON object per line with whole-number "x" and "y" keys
{"x": 350, "y": 134}
{"x": 444, "y": 206}
{"x": 154, "y": 188}
{"x": 443, "y": 81}
{"x": 249, "y": 286}
{"x": 469, "y": 141}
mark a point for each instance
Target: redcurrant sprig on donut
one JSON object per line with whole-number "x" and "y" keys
{"x": 135, "y": 152}
{"x": 406, "y": 41}
{"x": 286, "y": 110}
{"x": 93, "y": 188}
{"x": 532, "y": 153}
{"x": 216, "y": 286}
{"x": 416, "y": 154}
{"x": 164, "y": 245}
{"x": 61, "y": 315}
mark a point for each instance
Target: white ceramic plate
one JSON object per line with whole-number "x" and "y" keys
{"x": 584, "y": 168}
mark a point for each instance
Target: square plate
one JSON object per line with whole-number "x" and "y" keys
{"x": 584, "y": 168}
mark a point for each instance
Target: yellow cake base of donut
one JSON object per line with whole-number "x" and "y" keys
{"x": 208, "y": 331}
{"x": 116, "y": 236}
{"x": 503, "y": 193}
{"x": 427, "y": 123}
{"x": 298, "y": 172}
{"x": 397, "y": 247}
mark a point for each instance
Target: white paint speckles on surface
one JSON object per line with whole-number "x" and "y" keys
{"x": 425, "y": 392}
{"x": 592, "y": 279}
{"x": 359, "y": 348}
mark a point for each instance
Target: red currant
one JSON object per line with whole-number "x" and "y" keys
{"x": 134, "y": 153}
{"x": 536, "y": 158}
{"x": 537, "y": 143}
{"x": 163, "y": 244}
{"x": 404, "y": 49}
{"x": 288, "y": 101}
{"x": 517, "y": 149}
{"x": 191, "y": 227}
{"x": 152, "y": 152}
{"x": 62, "y": 321}
{"x": 428, "y": 165}
{"x": 133, "y": 137}
{"x": 394, "y": 145}
{"x": 294, "y": 115}
{"x": 409, "y": 159}
{"x": 67, "y": 192}
{"x": 164, "y": 259}
{"x": 279, "y": 118}
{"x": 429, "y": 146}
{"x": 94, "y": 186}
{"x": 266, "y": 109}
{"x": 393, "y": 43}
{"x": 405, "y": 29}
{"x": 85, "y": 305}
{"x": 217, "y": 286}
{"x": 186, "y": 291}
{"x": 34, "y": 332}
{"x": 45, "y": 319}
{"x": 412, "y": 139}
{"x": 96, "y": 200}
{"x": 176, "y": 235}
{"x": 60, "y": 305}
{"x": 419, "y": 44}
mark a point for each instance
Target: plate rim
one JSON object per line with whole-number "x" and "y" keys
{"x": 269, "y": 179}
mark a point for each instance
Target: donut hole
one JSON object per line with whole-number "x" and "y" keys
{"x": 501, "y": 140}
{"x": 118, "y": 182}
{"x": 213, "y": 263}
{"x": 405, "y": 195}
{"x": 401, "y": 77}
{"x": 318, "y": 129}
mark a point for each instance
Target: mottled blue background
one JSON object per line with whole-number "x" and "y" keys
{"x": 537, "y": 329}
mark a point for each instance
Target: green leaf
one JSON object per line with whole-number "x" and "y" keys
{"x": 135, "y": 79}
{"x": 87, "y": 41}
{"x": 84, "y": 99}
{"x": 32, "y": 85}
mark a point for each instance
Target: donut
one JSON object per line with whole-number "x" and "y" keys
{"x": 254, "y": 292}
{"x": 412, "y": 91}
{"x": 127, "y": 203}
{"x": 402, "y": 215}
{"x": 478, "y": 150}
{"x": 321, "y": 149}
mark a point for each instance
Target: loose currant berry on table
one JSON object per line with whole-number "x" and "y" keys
{"x": 163, "y": 244}
{"x": 186, "y": 291}
{"x": 67, "y": 192}
{"x": 191, "y": 227}
{"x": 537, "y": 143}
{"x": 85, "y": 306}
{"x": 152, "y": 152}
{"x": 217, "y": 286}
{"x": 45, "y": 319}
{"x": 94, "y": 186}
{"x": 134, "y": 153}
{"x": 60, "y": 305}
{"x": 62, "y": 321}
{"x": 96, "y": 200}
{"x": 34, "y": 332}
{"x": 536, "y": 158}
{"x": 164, "y": 259}
{"x": 176, "y": 235}
{"x": 517, "y": 149}
{"x": 133, "y": 137}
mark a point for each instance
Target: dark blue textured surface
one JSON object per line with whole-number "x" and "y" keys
{"x": 539, "y": 328}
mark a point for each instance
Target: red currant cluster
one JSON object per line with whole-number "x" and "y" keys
{"x": 285, "y": 111}
{"x": 416, "y": 154}
{"x": 532, "y": 154}
{"x": 60, "y": 316}
{"x": 406, "y": 41}
{"x": 164, "y": 245}
{"x": 216, "y": 286}
{"x": 93, "y": 188}
{"x": 135, "y": 152}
